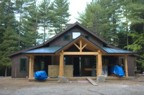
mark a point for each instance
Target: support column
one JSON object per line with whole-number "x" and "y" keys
{"x": 61, "y": 65}
{"x": 31, "y": 67}
{"x": 99, "y": 64}
{"x": 126, "y": 66}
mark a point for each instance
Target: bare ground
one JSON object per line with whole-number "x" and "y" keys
{"x": 9, "y": 86}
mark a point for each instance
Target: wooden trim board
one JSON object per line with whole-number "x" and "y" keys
{"x": 92, "y": 81}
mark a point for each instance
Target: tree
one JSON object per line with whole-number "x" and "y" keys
{"x": 103, "y": 17}
{"x": 60, "y": 14}
{"x": 45, "y": 16}
{"x": 8, "y": 46}
{"x": 8, "y": 25}
{"x": 28, "y": 23}
{"x": 136, "y": 16}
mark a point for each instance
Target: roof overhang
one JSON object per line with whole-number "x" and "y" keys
{"x": 58, "y": 49}
{"x": 43, "y": 50}
{"x": 114, "y": 51}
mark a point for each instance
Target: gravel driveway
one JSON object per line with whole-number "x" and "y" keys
{"x": 10, "y": 86}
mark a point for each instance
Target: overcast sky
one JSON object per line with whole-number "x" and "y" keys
{"x": 75, "y": 7}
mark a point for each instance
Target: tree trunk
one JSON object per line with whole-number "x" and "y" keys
{"x": 6, "y": 72}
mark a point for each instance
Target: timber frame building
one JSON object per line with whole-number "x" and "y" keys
{"x": 74, "y": 52}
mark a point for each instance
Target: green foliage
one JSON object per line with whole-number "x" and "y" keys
{"x": 52, "y": 16}
{"x": 28, "y": 23}
{"x": 20, "y": 21}
{"x": 136, "y": 16}
{"x": 137, "y": 45}
{"x": 103, "y": 17}
{"x": 45, "y": 15}
{"x": 8, "y": 33}
{"x": 60, "y": 15}
{"x": 8, "y": 46}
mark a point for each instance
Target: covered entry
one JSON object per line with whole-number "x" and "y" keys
{"x": 83, "y": 65}
{"x": 83, "y": 56}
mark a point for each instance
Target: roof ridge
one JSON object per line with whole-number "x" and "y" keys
{"x": 59, "y": 34}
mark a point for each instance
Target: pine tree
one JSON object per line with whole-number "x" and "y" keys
{"x": 103, "y": 17}
{"x": 45, "y": 17}
{"x": 28, "y": 23}
{"x": 8, "y": 33}
{"x": 136, "y": 16}
{"x": 60, "y": 15}
{"x": 8, "y": 46}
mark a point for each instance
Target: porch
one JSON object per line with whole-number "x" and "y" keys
{"x": 80, "y": 58}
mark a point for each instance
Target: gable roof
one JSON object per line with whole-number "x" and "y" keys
{"x": 61, "y": 33}
{"x": 57, "y": 49}
{"x": 72, "y": 26}
{"x": 56, "y": 36}
{"x": 83, "y": 38}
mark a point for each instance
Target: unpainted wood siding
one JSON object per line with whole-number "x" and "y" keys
{"x": 131, "y": 65}
{"x": 16, "y": 73}
{"x": 61, "y": 42}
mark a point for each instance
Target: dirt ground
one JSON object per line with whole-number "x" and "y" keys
{"x": 9, "y": 86}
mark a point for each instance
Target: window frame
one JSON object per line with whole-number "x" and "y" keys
{"x": 75, "y": 35}
{"x": 23, "y": 65}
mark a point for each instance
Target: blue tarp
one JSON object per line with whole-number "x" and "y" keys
{"x": 117, "y": 70}
{"x": 40, "y": 75}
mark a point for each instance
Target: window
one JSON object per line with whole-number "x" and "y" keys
{"x": 23, "y": 62}
{"x": 67, "y": 37}
{"x": 87, "y": 37}
{"x": 75, "y": 34}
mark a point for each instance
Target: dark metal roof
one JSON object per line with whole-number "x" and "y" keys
{"x": 54, "y": 49}
{"x": 58, "y": 35}
{"x": 40, "y": 47}
{"x": 43, "y": 50}
{"x": 116, "y": 51}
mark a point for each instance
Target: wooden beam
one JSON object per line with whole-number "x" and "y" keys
{"x": 126, "y": 66}
{"x": 80, "y": 53}
{"x": 92, "y": 81}
{"x": 31, "y": 67}
{"x": 76, "y": 46}
{"x": 99, "y": 64}
{"x": 61, "y": 65}
{"x": 80, "y": 45}
{"x": 84, "y": 46}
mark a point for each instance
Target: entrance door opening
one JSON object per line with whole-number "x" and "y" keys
{"x": 82, "y": 65}
{"x": 76, "y": 66}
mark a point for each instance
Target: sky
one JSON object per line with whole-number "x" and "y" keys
{"x": 75, "y": 7}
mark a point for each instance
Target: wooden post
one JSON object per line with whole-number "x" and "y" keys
{"x": 126, "y": 66}
{"x": 31, "y": 67}
{"x": 80, "y": 45}
{"x": 99, "y": 64}
{"x": 61, "y": 65}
